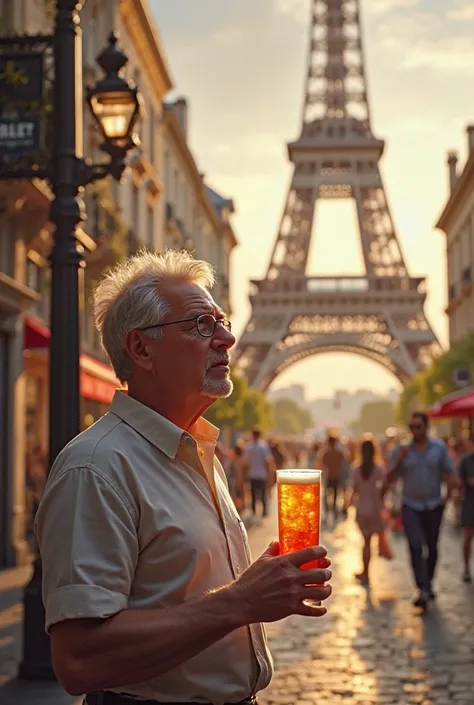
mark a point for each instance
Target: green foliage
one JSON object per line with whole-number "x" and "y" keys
{"x": 243, "y": 410}
{"x": 438, "y": 381}
{"x": 289, "y": 418}
{"x": 375, "y": 417}
{"x": 255, "y": 412}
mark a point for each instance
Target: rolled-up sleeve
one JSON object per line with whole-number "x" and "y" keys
{"x": 89, "y": 547}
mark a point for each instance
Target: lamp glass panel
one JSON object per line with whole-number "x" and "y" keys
{"x": 115, "y": 112}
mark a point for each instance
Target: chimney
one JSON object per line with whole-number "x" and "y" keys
{"x": 180, "y": 109}
{"x": 470, "y": 138}
{"x": 453, "y": 174}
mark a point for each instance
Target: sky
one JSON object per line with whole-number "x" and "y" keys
{"x": 242, "y": 65}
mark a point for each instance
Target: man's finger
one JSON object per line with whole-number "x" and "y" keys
{"x": 318, "y": 594}
{"x": 311, "y": 611}
{"x": 306, "y": 555}
{"x": 273, "y": 549}
{"x": 315, "y": 576}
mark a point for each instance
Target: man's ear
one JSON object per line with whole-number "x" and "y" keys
{"x": 138, "y": 349}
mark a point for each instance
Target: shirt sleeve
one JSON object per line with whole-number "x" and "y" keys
{"x": 447, "y": 464}
{"x": 394, "y": 456}
{"x": 89, "y": 547}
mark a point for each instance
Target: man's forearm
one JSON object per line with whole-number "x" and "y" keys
{"x": 137, "y": 645}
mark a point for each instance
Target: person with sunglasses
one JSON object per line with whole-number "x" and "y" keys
{"x": 424, "y": 466}
{"x": 149, "y": 590}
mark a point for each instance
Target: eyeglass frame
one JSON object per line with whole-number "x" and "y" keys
{"x": 224, "y": 321}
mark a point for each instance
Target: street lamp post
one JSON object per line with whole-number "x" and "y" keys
{"x": 115, "y": 104}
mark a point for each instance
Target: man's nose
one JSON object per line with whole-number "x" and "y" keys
{"x": 222, "y": 339}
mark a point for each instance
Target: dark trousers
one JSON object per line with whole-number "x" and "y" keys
{"x": 331, "y": 488}
{"x": 259, "y": 489}
{"x": 422, "y": 531}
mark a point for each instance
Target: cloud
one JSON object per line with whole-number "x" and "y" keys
{"x": 462, "y": 12}
{"x": 379, "y": 7}
{"x": 443, "y": 54}
{"x": 297, "y": 9}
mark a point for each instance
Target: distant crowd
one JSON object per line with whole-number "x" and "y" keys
{"x": 396, "y": 484}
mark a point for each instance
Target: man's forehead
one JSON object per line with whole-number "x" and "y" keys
{"x": 189, "y": 295}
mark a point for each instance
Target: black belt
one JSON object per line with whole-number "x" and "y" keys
{"x": 106, "y": 697}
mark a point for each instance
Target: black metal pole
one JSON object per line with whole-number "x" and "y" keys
{"x": 67, "y": 211}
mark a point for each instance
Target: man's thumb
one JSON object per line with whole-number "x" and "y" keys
{"x": 273, "y": 549}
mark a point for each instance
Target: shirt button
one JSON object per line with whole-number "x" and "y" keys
{"x": 201, "y": 453}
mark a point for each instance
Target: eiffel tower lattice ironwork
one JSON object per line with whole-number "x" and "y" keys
{"x": 379, "y": 315}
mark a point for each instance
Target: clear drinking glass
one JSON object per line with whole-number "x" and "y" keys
{"x": 299, "y": 510}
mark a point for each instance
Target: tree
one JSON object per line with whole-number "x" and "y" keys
{"x": 438, "y": 380}
{"x": 243, "y": 410}
{"x": 255, "y": 412}
{"x": 289, "y": 418}
{"x": 375, "y": 417}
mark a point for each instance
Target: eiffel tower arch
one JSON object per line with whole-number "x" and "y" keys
{"x": 379, "y": 315}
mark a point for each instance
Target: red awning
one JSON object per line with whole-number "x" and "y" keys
{"x": 97, "y": 381}
{"x": 36, "y": 335}
{"x": 460, "y": 406}
{"x": 96, "y": 389}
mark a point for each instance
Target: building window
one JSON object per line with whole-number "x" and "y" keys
{"x": 136, "y": 80}
{"x": 136, "y": 210}
{"x": 151, "y": 128}
{"x": 33, "y": 275}
{"x": 7, "y": 249}
{"x": 150, "y": 227}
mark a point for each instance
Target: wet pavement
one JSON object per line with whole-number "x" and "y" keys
{"x": 373, "y": 646}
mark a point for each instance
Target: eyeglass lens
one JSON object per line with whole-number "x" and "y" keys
{"x": 206, "y": 325}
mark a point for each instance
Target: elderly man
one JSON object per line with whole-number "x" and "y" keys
{"x": 148, "y": 587}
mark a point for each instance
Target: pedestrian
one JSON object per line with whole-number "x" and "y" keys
{"x": 236, "y": 476}
{"x": 148, "y": 588}
{"x": 260, "y": 467}
{"x": 332, "y": 461}
{"x": 466, "y": 476}
{"x": 366, "y": 490}
{"x": 424, "y": 466}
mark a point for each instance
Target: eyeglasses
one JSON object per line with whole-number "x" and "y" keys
{"x": 415, "y": 427}
{"x": 205, "y": 323}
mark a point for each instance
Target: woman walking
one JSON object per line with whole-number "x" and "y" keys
{"x": 366, "y": 490}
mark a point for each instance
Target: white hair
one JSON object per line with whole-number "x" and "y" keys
{"x": 129, "y": 297}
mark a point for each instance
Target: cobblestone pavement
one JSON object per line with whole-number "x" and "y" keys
{"x": 372, "y": 646}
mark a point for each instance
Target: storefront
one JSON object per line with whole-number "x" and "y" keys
{"x": 4, "y": 514}
{"x": 97, "y": 385}
{"x": 15, "y": 298}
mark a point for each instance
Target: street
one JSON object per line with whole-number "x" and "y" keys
{"x": 371, "y": 647}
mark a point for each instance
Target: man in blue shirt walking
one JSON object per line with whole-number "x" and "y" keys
{"x": 424, "y": 465}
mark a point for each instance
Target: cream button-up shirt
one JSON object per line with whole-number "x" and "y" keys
{"x": 136, "y": 514}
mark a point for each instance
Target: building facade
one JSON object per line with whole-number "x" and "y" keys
{"x": 457, "y": 222}
{"x": 121, "y": 219}
{"x": 197, "y": 218}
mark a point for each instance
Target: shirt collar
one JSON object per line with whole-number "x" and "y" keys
{"x": 157, "y": 429}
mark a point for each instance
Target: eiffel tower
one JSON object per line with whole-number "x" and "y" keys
{"x": 380, "y": 315}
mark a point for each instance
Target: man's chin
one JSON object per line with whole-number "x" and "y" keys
{"x": 218, "y": 390}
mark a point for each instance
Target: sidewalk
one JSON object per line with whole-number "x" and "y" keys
{"x": 373, "y": 648}
{"x": 13, "y": 691}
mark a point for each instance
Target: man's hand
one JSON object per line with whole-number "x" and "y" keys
{"x": 274, "y": 587}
